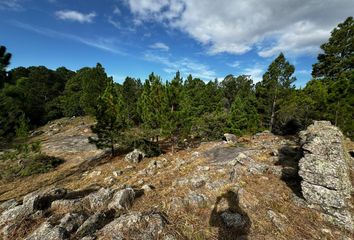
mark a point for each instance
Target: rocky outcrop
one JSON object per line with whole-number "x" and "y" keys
{"x": 130, "y": 225}
{"x": 324, "y": 169}
{"x": 135, "y": 156}
{"x": 248, "y": 190}
{"x": 230, "y": 138}
{"x": 47, "y": 231}
{"x": 122, "y": 199}
{"x": 63, "y": 214}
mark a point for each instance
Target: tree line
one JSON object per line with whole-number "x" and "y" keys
{"x": 180, "y": 108}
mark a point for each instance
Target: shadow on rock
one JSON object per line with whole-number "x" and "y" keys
{"x": 289, "y": 158}
{"x": 232, "y": 221}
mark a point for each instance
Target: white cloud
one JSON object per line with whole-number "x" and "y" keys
{"x": 114, "y": 23}
{"x": 184, "y": 65}
{"x": 11, "y": 5}
{"x": 303, "y": 71}
{"x": 76, "y": 16}
{"x": 301, "y": 38}
{"x": 116, "y": 10}
{"x": 234, "y": 64}
{"x": 238, "y": 26}
{"x": 106, "y": 44}
{"x": 160, "y": 46}
{"x": 255, "y": 72}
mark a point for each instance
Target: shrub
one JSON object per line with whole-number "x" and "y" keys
{"x": 40, "y": 164}
{"x": 151, "y": 149}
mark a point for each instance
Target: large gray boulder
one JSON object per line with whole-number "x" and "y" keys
{"x": 324, "y": 169}
{"x": 100, "y": 198}
{"x": 135, "y": 156}
{"x": 122, "y": 199}
{"x": 230, "y": 138}
{"x": 135, "y": 225}
{"x": 13, "y": 213}
{"x": 71, "y": 222}
{"x": 32, "y": 203}
{"x": 48, "y": 232}
{"x": 42, "y": 200}
{"x": 8, "y": 204}
{"x": 94, "y": 223}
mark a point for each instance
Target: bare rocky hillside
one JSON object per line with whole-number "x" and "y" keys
{"x": 258, "y": 187}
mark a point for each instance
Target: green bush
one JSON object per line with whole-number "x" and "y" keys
{"x": 18, "y": 165}
{"x": 151, "y": 149}
{"x": 36, "y": 147}
{"x": 40, "y": 164}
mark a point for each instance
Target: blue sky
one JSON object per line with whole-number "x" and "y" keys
{"x": 209, "y": 39}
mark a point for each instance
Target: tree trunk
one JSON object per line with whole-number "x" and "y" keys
{"x": 272, "y": 114}
{"x": 112, "y": 148}
{"x": 336, "y": 118}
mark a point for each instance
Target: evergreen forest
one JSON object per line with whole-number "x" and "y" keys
{"x": 181, "y": 109}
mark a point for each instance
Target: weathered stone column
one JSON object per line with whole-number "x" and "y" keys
{"x": 325, "y": 172}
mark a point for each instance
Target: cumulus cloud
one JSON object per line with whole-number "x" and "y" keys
{"x": 236, "y": 27}
{"x": 160, "y": 46}
{"x": 184, "y": 65}
{"x": 75, "y": 16}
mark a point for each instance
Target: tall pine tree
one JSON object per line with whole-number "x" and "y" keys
{"x": 5, "y": 58}
{"x": 151, "y": 105}
{"x": 275, "y": 85}
{"x": 111, "y": 119}
{"x": 174, "y": 115}
{"x": 94, "y": 82}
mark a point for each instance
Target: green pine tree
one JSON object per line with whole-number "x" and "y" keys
{"x": 243, "y": 117}
{"x": 275, "y": 85}
{"x": 131, "y": 90}
{"x": 337, "y": 58}
{"x": 94, "y": 82}
{"x": 173, "y": 124}
{"x": 151, "y": 106}
{"x": 111, "y": 119}
{"x": 23, "y": 127}
{"x": 335, "y": 70}
{"x": 5, "y": 58}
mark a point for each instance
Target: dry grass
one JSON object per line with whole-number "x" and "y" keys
{"x": 258, "y": 193}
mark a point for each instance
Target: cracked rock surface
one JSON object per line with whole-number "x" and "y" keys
{"x": 325, "y": 171}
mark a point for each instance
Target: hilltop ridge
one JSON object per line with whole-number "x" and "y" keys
{"x": 246, "y": 190}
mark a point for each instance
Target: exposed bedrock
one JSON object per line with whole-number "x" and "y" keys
{"x": 325, "y": 171}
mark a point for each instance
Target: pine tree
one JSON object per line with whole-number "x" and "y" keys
{"x": 276, "y": 83}
{"x": 111, "y": 119}
{"x": 5, "y": 58}
{"x": 335, "y": 70}
{"x": 131, "y": 90}
{"x": 151, "y": 105}
{"x": 70, "y": 100}
{"x": 243, "y": 116}
{"x": 10, "y": 113}
{"x": 23, "y": 127}
{"x": 236, "y": 86}
{"x": 337, "y": 58}
{"x": 94, "y": 82}
{"x": 174, "y": 115}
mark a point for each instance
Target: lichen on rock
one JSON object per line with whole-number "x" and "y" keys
{"x": 324, "y": 169}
